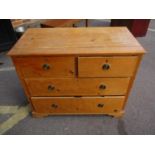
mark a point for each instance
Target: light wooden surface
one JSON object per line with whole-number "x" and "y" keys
{"x": 58, "y": 66}
{"x": 132, "y": 79}
{"x": 75, "y": 105}
{"x": 118, "y": 66}
{"x": 73, "y": 77}
{"x": 77, "y": 86}
{"x": 79, "y": 41}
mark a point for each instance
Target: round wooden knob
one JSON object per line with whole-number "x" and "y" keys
{"x": 106, "y": 67}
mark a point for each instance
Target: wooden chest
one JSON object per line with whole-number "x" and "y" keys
{"x": 77, "y": 70}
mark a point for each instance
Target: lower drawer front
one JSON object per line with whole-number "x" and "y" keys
{"x": 77, "y": 105}
{"x": 78, "y": 87}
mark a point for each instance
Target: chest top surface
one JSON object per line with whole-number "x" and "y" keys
{"x": 77, "y": 41}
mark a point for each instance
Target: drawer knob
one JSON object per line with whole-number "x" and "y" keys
{"x": 100, "y": 105}
{"x": 54, "y": 106}
{"x": 106, "y": 67}
{"x": 51, "y": 87}
{"x": 102, "y": 87}
{"x": 46, "y": 66}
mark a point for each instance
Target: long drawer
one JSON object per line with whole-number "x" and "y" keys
{"x": 77, "y": 86}
{"x": 78, "y": 105}
{"x": 120, "y": 66}
{"x": 46, "y": 66}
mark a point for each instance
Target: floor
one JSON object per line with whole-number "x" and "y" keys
{"x": 139, "y": 118}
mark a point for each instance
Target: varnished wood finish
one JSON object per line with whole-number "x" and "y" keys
{"x": 76, "y": 105}
{"x": 132, "y": 80}
{"x": 79, "y": 41}
{"x": 77, "y": 86}
{"x": 22, "y": 81}
{"x": 58, "y": 66}
{"x": 118, "y": 66}
{"x": 77, "y": 69}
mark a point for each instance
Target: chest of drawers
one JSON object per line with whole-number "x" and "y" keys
{"x": 77, "y": 70}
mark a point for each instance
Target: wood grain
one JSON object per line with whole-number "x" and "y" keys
{"x": 73, "y": 79}
{"x": 132, "y": 80}
{"x": 118, "y": 66}
{"x": 75, "y": 105}
{"x": 79, "y": 41}
{"x": 34, "y": 67}
{"x": 77, "y": 86}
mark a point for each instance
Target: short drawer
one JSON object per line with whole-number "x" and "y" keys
{"x": 78, "y": 105}
{"x": 45, "y": 66}
{"x": 123, "y": 66}
{"x": 77, "y": 86}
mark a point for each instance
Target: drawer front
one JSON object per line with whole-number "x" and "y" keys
{"x": 77, "y": 86}
{"x": 107, "y": 66}
{"x": 76, "y": 105}
{"x": 46, "y": 66}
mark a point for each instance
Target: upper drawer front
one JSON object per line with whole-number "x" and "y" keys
{"x": 77, "y": 86}
{"x": 46, "y": 66}
{"x": 107, "y": 66}
{"x": 76, "y": 105}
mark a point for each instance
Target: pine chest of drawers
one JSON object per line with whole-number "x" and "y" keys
{"x": 77, "y": 70}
